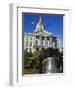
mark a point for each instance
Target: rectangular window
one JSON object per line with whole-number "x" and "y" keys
{"x": 41, "y": 42}
{"x": 42, "y": 38}
{"x": 36, "y": 42}
{"x": 48, "y": 38}
{"x": 26, "y": 43}
{"x": 30, "y": 43}
{"x": 37, "y": 37}
{"x": 30, "y": 37}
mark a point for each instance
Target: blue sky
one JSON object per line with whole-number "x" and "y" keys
{"x": 52, "y": 23}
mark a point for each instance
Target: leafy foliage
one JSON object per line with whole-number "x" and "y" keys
{"x": 37, "y": 55}
{"x": 38, "y": 58}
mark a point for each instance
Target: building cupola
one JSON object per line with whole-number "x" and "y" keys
{"x": 39, "y": 26}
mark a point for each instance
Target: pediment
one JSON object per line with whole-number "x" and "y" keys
{"x": 43, "y": 33}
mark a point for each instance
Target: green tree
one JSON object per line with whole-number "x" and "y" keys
{"x": 26, "y": 57}
{"x": 39, "y": 56}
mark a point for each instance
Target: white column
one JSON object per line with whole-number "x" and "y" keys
{"x": 34, "y": 42}
{"x": 58, "y": 42}
{"x": 46, "y": 41}
{"x": 50, "y": 40}
{"x": 28, "y": 43}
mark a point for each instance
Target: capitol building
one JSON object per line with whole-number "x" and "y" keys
{"x": 40, "y": 38}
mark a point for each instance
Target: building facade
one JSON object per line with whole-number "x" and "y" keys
{"x": 40, "y": 38}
